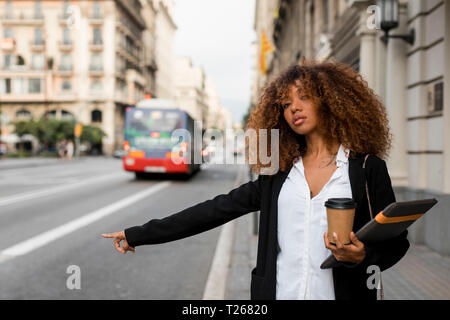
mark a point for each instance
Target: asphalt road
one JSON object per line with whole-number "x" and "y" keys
{"x": 43, "y": 232}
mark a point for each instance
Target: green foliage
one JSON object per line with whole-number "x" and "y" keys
{"x": 19, "y": 154}
{"x": 50, "y": 131}
{"x": 92, "y": 135}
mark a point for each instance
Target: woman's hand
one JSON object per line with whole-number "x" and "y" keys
{"x": 119, "y": 236}
{"x": 353, "y": 252}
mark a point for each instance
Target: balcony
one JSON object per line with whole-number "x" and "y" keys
{"x": 24, "y": 18}
{"x": 64, "y": 70}
{"x": 23, "y": 86}
{"x": 96, "y": 20}
{"x": 95, "y": 96}
{"x": 96, "y": 46}
{"x": 37, "y": 45}
{"x": 8, "y": 44}
{"x": 133, "y": 9}
{"x": 120, "y": 75}
{"x": 95, "y": 70}
{"x": 64, "y": 96}
{"x": 66, "y": 19}
{"x": 126, "y": 54}
{"x": 65, "y": 45}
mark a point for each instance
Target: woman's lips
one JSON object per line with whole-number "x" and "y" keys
{"x": 299, "y": 121}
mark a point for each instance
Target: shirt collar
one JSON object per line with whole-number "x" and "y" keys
{"x": 342, "y": 156}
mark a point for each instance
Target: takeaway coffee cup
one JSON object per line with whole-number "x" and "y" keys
{"x": 340, "y": 215}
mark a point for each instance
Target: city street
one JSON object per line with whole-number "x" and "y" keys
{"x": 45, "y": 202}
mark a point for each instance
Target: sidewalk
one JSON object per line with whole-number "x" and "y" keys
{"x": 422, "y": 274}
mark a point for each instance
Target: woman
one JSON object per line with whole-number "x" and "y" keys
{"x": 328, "y": 120}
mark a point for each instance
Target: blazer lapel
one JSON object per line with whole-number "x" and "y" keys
{"x": 357, "y": 181}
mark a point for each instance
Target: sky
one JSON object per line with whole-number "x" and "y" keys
{"x": 217, "y": 36}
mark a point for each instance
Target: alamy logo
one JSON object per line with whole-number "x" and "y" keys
{"x": 373, "y": 282}
{"x": 74, "y": 280}
{"x": 373, "y": 21}
{"x": 73, "y": 16}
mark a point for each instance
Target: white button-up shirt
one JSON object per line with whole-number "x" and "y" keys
{"x": 302, "y": 222}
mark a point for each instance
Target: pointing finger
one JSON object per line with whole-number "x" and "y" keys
{"x": 112, "y": 235}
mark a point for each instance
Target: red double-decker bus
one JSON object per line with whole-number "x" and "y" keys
{"x": 149, "y": 142}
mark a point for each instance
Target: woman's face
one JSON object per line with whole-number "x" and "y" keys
{"x": 300, "y": 112}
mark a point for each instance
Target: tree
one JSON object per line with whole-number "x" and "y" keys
{"x": 50, "y": 131}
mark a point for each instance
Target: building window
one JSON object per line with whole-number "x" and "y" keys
{"x": 38, "y": 10}
{"x": 96, "y": 86}
{"x": 9, "y": 10}
{"x": 66, "y": 62}
{"x": 18, "y": 86}
{"x": 34, "y": 85}
{"x": 38, "y": 38}
{"x": 96, "y": 116}
{"x": 97, "y": 36}
{"x": 8, "y": 61}
{"x": 51, "y": 114}
{"x": 5, "y": 86}
{"x": 66, "y": 36}
{"x": 66, "y": 85}
{"x": 96, "y": 10}
{"x": 96, "y": 62}
{"x": 121, "y": 87}
{"x": 121, "y": 65}
{"x": 8, "y": 33}
{"x": 66, "y": 9}
{"x": 37, "y": 62}
{"x": 66, "y": 115}
{"x": 23, "y": 114}
{"x": 439, "y": 96}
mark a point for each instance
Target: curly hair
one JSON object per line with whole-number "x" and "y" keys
{"x": 348, "y": 111}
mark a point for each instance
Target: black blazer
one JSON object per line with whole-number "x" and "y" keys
{"x": 262, "y": 194}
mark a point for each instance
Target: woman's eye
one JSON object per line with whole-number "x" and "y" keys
{"x": 304, "y": 97}
{"x": 286, "y": 105}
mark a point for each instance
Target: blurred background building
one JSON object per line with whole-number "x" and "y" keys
{"x": 197, "y": 94}
{"x": 88, "y": 60}
{"x": 410, "y": 75}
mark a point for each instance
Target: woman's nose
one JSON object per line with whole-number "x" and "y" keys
{"x": 295, "y": 106}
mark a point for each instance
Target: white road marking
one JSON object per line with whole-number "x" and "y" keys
{"x": 42, "y": 239}
{"x": 46, "y": 192}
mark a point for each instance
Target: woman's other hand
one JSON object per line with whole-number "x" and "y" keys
{"x": 118, "y": 237}
{"x": 353, "y": 252}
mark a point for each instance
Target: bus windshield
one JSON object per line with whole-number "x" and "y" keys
{"x": 152, "y": 128}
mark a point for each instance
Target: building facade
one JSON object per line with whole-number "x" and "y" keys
{"x": 190, "y": 93}
{"x": 82, "y": 59}
{"x": 413, "y": 81}
{"x": 164, "y": 49}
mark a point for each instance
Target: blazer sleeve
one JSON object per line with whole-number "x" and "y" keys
{"x": 200, "y": 217}
{"x": 386, "y": 253}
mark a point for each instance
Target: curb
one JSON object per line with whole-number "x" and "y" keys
{"x": 215, "y": 288}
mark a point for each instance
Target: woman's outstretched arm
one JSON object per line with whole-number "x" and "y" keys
{"x": 195, "y": 219}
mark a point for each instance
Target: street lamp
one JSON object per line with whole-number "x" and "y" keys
{"x": 389, "y": 20}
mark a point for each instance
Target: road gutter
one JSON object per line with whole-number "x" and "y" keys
{"x": 216, "y": 284}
